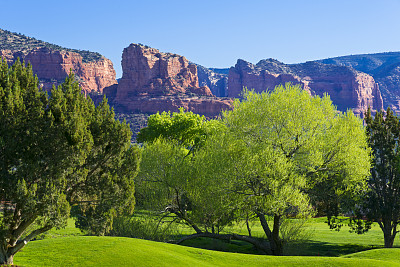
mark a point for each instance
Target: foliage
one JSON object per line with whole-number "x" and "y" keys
{"x": 268, "y": 157}
{"x": 57, "y": 151}
{"x": 280, "y": 146}
{"x": 150, "y": 228}
{"x": 382, "y": 203}
{"x": 20, "y": 42}
{"x": 184, "y": 128}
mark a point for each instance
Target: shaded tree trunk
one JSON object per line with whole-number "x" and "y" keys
{"x": 389, "y": 233}
{"x": 389, "y": 240}
{"x": 5, "y": 257}
{"x": 275, "y": 241}
{"x": 12, "y": 243}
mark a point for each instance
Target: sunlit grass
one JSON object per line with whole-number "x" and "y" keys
{"x": 119, "y": 251}
{"x": 67, "y": 247}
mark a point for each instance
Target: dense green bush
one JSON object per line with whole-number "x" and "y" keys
{"x": 143, "y": 228}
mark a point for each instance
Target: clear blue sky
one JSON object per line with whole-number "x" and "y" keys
{"x": 213, "y": 33}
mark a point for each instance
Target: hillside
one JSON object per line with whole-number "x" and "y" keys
{"x": 384, "y": 67}
{"x": 52, "y": 63}
{"x": 24, "y": 44}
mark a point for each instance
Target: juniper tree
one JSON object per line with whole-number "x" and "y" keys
{"x": 58, "y": 150}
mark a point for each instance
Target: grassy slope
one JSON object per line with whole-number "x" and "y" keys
{"x": 67, "y": 247}
{"x": 119, "y": 251}
{"x": 387, "y": 255}
{"x": 323, "y": 242}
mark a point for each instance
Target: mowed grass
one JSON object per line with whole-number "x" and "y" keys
{"x": 323, "y": 241}
{"x": 67, "y": 247}
{"x": 387, "y": 254}
{"x": 120, "y": 251}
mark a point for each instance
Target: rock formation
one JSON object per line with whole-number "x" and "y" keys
{"x": 52, "y": 63}
{"x": 153, "y": 81}
{"x": 384, "y": 67}
{"x": 347, "y": 88}
{"x": 216, "y": 81}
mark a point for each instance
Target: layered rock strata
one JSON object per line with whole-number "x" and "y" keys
{"x": 153, "y": 81}
{"x": 348, "y": 88}
{"x": 53, "y": 66}
{"x": 384, "y": 67}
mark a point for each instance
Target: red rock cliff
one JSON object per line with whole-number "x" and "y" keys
{"x": 153, "y": 81}
{"x": 348, "y": 89}
{"x": 53, "y": 66}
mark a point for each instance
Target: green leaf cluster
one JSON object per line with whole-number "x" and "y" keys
{"x": 58, "y": 150}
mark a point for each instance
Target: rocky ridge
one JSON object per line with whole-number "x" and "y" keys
{"x": 384, "y": 67}
{"x": 153, "y": 81}
{"x": 217, "y": 82}
{"x": 52, "y": 63}
{"x": 347, "y": 87}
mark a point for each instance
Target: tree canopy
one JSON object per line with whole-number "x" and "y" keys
{"x": 283, "y": 145}
{"x": 58, "y": 150}
{"x": 382, "y": 202}
{"x": 269, "y": 157}
{"x": 187, "y": 129}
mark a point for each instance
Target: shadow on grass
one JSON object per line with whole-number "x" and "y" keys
{"x": 307, "y": 248}
{"x": 315, "y": 248}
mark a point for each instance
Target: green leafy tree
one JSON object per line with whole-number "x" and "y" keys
{"x": 267, "y": 158}
{"x": 187, "y": 129}
{"x": 162, "y": 182}
{"x": 279, "y": 147}
{"x": 168, "y": 178}
{"x": 58, "y": 151}
{"x": 382, "y": 203}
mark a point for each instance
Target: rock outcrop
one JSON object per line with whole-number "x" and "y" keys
{"x": 53, "y": 66}
{"x": 52, "y": 63}
{"x": 347, "y": 87}
{"x": 216, "y": 81}
{"x": 153, "y": 81}
{"x": 384, "y": 67}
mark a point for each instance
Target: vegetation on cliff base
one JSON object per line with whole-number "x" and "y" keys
{"x": 19, "y": 42}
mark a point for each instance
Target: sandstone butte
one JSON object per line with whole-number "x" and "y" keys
{"x": 348, "y": 88}
{"x": 153, "y": 81}
{"x": 53, "y": 66}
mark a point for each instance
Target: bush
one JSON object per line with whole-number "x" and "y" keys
{"x": 144, "y": 228}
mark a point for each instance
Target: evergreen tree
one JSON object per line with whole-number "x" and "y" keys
{"x": 383, "y": 198}
{"x": 58, "y": 151}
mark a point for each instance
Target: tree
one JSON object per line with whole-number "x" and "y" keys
{"x": 169, "y": 178}
{"x": 283, "y": 145}
{"x": 382, "y": 203}
{"x": 58, "y": 151}
{"x": 165, "y": 179}
{"x": 267, "y": 157}
{"x": 187, "y": 129}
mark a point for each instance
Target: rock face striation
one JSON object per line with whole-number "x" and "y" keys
{"x": 215, "y": 79}
{"x": 384, "y": 67}
{"x": 347, "y": 87}
{"x": 52, "y": 63}
{"x": 153, "y": 81}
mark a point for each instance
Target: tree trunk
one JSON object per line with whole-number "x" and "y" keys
{"x": 5, "y": 258}
{"x": 389, "y": 232}
{"x": 389, "y": 239}
{"x": 275, "y": 241}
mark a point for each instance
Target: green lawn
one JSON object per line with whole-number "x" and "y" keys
{"x": 323, "y": 242}
{"x": 67, "y": 247}
{"x": 120, "y": 251}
